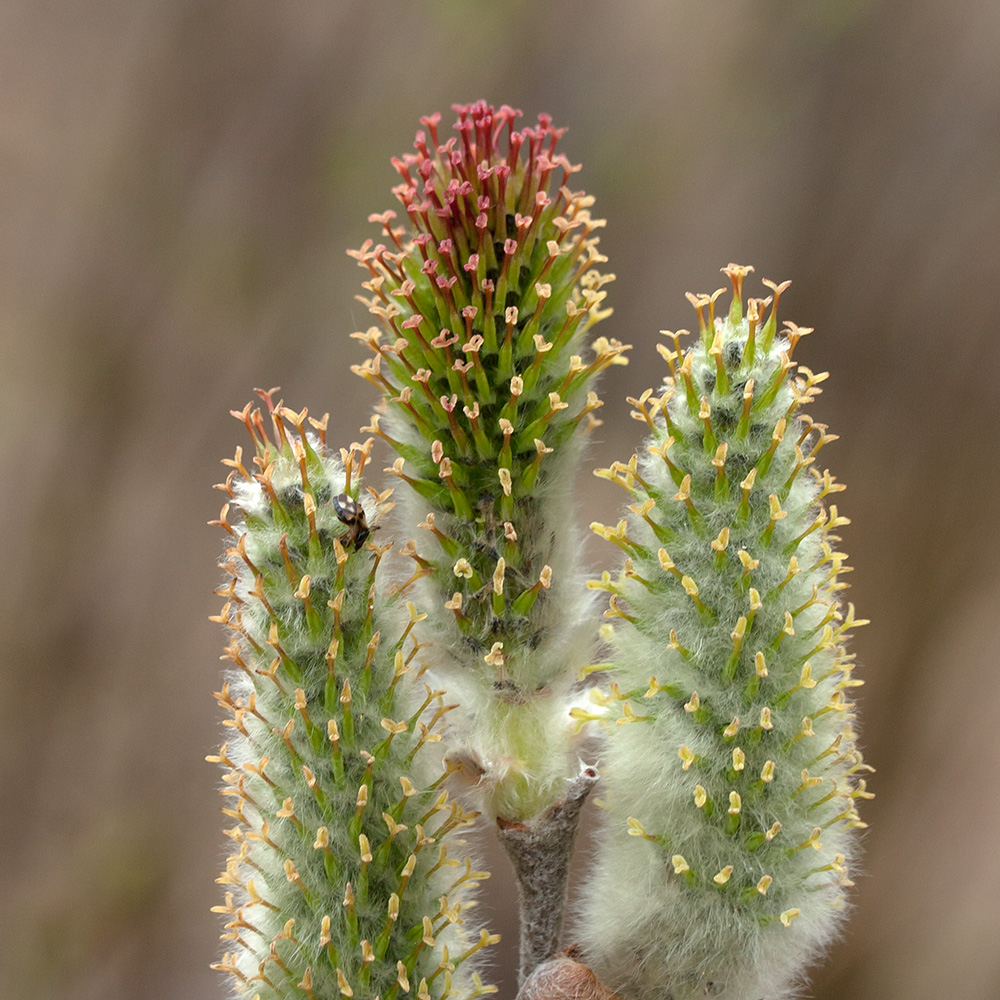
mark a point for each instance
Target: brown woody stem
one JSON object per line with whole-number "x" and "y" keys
{"x": 540, "y": 852}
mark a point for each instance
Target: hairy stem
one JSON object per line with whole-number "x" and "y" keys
{"x": 539, "y": 851}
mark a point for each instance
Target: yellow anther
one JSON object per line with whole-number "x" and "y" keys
{"x": 345, "y": 987}
{"x": 498, "y": 576}
{"x": 636, "y": 829}
{"x": 739, "y": 631}
{"x": 495, "y": 657}
{"x": 721, "y": 878}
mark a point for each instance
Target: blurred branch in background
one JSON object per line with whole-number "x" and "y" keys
{"x": 181, "y": 180}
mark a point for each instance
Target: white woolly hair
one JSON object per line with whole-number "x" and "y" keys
{"x": 522, "y": 744}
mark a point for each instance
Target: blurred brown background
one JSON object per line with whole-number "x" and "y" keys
{"x": 179, "y": 182}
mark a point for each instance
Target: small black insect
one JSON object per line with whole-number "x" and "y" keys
{"x": 353, "y": 515}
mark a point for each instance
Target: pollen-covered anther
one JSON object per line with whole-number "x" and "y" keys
{"x": 292, "y": 875}
{"x": 777, "y": 514}
{"x": 691, "y": 589}
{"x": 505, "y": 481}
{"x": 364, "y": 847}
{"x": 555, "y": 404}
{"x": 636, "y": 829}
{"x": 746, "y": 486}
{"x": 806, "y": 680}
{"x": 287, "y": 811}
{"x": 367, "y": 953}
{"x": 498, "y": 576}
{"x": 722, "y": 877}
{"x": 343, "y": 984}
{"x": 809, "y": 781}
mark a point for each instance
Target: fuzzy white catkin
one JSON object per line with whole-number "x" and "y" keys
{"x": 730, "y": 774}
{"x": 346, "y": 877}
{"x": 485, "y": 301}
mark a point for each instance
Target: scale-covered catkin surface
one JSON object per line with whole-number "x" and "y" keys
{"x": 731, "y": 774}
{"x": 484, "y": 301}
{"x": 346, "y": 877}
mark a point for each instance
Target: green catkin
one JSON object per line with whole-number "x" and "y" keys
{"x": 731, "y": 777}
{"x": 481, "y": 356}
{"x": 346, "y": 876}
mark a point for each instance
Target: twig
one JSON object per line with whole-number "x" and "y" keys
{"x": 540, "y": 851}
